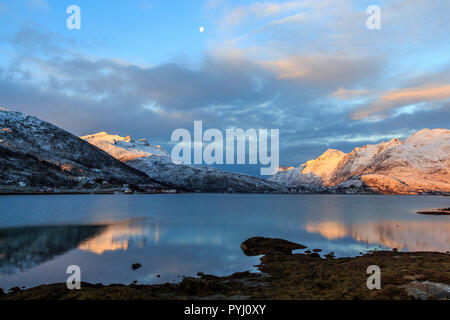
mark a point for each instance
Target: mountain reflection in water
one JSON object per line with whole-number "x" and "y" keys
{"x": 119, "y": 235}
{"x": 173, "y": 236}
{"x": 25, "y": 247}
{"x": 408, "y": 235}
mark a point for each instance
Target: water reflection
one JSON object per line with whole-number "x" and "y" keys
{"x": 180, "y": 235}
{"x": 25, "y": 247}
{"x": 118, "y": 236}
{"x": 408, "y": 235}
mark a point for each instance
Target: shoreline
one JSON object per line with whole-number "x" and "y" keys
{"x": 115, "y": 192}
{"x": 435, "y": 212}
{"x": 283, "y": 276}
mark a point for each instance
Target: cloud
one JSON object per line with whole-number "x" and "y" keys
{"x": 346, "y": 94}
{"x": 259, "y": 10}
{"x": 29, "y": 40}
{"x": 400, "y": 97}
{"x": 325, "y": 68}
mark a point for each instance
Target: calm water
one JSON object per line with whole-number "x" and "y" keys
{"x": 180, "y": 235}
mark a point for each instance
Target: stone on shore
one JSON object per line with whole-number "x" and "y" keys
{"x": 269, "y": 246}
{"x": 435, "y": 212}
{"x": 136, "y": 266}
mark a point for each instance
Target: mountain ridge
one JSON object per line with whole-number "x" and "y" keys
{"x": 35, "y": 154}
{"x": 418, "y": 165}
{"x": 158, "y": 165}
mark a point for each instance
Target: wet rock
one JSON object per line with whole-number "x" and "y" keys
{"x": 268, "y": 246}
{"x": 317, "y": 250}
{"x": 308, "y": 251}
{"x": 15, "y": 290}
{"x": 435, "y": 212}
{"x": 199, "y": 287}
{"x": 158, "y": 276}
{"x": 200, "y": 274}
{"x": 426, "y": 290}
{"x": 136, "y": 266}
{"x": 330, "y": 255}
{"x": 315, "y": 255}
{"x": 395, "y": 250}
{"x": 295, "y": 276}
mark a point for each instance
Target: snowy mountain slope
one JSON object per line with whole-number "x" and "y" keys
{"x": 314, "y": 173}
{"x": 202, "y": 178}
{"x": 361, "y": 160}
{"x": 124, "y": 148}
{"x": 157, "y": 164}
{"x": 37, "y": 154}
{"x": 420, "y": 164}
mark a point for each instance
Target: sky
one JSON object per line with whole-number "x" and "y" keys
{"x": 311, "y": 68}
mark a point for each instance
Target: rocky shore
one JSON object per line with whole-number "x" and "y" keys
{"x": 284, "y": 275}
{"x": 435, "y": 212}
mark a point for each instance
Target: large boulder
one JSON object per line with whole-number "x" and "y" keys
{"x": 268, "y": 246}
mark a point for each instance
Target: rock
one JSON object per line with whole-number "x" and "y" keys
{"x": 315, "y": 255}
{"x": 317, "y": 250}
{"x": 200, "y": 274}
{"x": 199, "y": 287}
{"x": 158, "y": 276}
{"x": 136, "y": 266}
{"x": 395, "y": 250}
{"x": 330, "y": 255}
{"x": 308, "y": 251}
{"x": 268, "y": 246}
{"x": 436, "y": 212}
{"x": 426, "y": 290}
{"x": 15, "y": 290}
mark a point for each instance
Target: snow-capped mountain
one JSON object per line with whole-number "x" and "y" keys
{"x": 312, "y": 174}
{"x": 420, "y": 164}
{"x": 124, "y": 148}
{"x": 35, "y": 155}
{"x": 157, "y": 164}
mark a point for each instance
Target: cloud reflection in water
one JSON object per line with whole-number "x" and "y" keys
{"x": 407, "y": 235}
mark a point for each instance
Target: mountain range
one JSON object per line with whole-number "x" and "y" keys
{"x": 418, "y": 165}
{"x": 157, "y": 164}
{"x": 36, "y": 156}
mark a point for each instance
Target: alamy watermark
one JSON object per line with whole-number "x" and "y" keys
{"x": 374, "y": 20}
{"x": 374, "y": 281}
{"x": 74, "y": 20}
{"x": 74, "y": 280}
{"x": 209, "y": 147}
